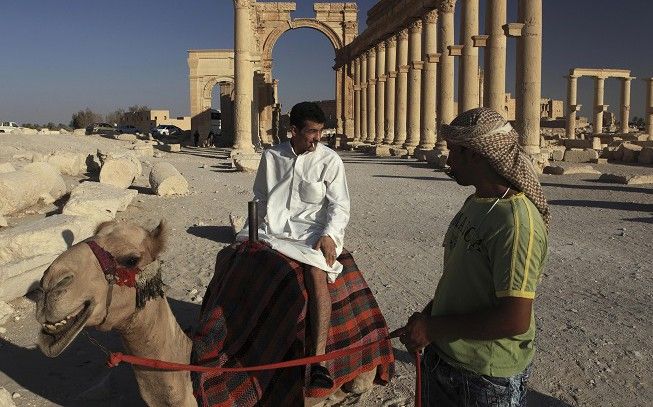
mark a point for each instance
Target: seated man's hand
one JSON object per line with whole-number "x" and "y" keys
{"x": 328, "y": 247}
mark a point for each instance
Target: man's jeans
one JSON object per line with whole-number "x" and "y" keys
{"x": 445, "y": 385}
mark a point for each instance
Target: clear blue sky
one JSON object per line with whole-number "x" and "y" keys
{"x": 58, "y": 57}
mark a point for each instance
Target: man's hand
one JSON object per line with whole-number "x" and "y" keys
{"x": 328, "y": 248}
{"x": 415, "y": 334}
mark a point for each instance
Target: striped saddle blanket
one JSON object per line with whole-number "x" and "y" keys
{"x": 255, "y": 312}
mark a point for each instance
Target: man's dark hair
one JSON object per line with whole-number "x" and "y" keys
{"x": 306, "y": 111}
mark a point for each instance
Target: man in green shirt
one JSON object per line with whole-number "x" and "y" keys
{"x": 479, "y": 330}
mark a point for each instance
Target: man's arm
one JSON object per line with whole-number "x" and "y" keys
{"x": 260, "y": 188}
{"x": 337, "y": 196}
{"x": 511, "y": 317}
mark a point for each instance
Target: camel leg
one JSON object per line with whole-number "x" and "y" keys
{"x": 361, "y": 383}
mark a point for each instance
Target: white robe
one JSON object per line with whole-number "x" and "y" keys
{"x": 301, "y": 198}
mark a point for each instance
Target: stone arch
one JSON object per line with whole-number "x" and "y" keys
{"x": 210, "y": 82}
{"x": 273, "y": 37}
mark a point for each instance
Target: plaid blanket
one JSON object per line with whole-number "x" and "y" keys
{"x": 248, "y": 319}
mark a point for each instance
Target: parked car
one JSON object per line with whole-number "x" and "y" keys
{"x": 166, "y": 130}
{"x": 8, "y": 127}
{"x": 128, "y": 129}
{"x": 100, "y": 128}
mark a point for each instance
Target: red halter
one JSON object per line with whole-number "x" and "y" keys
{"x": 115, "y": 274}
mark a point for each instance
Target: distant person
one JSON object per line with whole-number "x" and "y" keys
{"x": 303, "y": 211}
{"x": 479, "y": 330}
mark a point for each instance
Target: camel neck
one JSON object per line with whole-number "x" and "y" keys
{"x": 153, "y": 332}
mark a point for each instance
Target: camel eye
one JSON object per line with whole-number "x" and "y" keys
{"x": 129, "y": 261}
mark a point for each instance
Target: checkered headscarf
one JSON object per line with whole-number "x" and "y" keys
{"x": 487, "y": 133}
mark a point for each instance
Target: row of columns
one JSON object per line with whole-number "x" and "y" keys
{"x": 404, "y": 84}
{"x": 599, "y": 106}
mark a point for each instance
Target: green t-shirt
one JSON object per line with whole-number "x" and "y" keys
{"x": 488, "y": 256}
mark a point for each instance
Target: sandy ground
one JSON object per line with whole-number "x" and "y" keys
{"x": 593, "y": 308}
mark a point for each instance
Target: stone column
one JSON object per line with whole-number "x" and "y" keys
{"x": 529, "y": 92}
{"x": 340, "y": 102}
{"x": 429, "y": 82}
{"x": 445, "y": 72}
{"x": 357, "y": 99}
{"x": 380, "y": 91}
{"x": 371, "y": 95}
{"x": 363, "y": 123}
{"x": 402, "y": 90}
{"x": 468, "y": 64}
{"x": 599, "y": 90}
{"x": 414, "y": 85}
{"x": 625, "y": 104}
{"x": 572, "y": 106}
{"x": 648, "y": 111}
{"x": 243, "y": 78}
{"x": 495, "y": 56}
{"x": 390, "y": 88}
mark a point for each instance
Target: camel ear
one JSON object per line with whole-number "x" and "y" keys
{"x": 105, "y": 227}
{"x": 158, "y": 236}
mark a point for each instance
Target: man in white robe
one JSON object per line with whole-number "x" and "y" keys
{"x": 303, "y": 211}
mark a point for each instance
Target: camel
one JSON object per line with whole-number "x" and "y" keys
{"x": 76, "y": 294}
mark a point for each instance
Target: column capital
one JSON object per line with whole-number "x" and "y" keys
{"x": 480, "y": 41}
{"x": 371, "y": 53}
{"x": 381, "y": 78}
{"x": 242, "y": 3}
{"x": 404, "y": 68}
{"x": 380, "y": 46}
{"x": 357, "y": 88}
{"x": 391, "y": 42}
{"x": 629, "y": 79}
{"x": 403, "y": 34}
{"x": 431, "y": 17}
{"x": 455, "y": 50}
{"x": 417, "y": 65}
{"x": 433, "y": 58}
{"x": 447, "y": 6}
{"x": 513, "y": 30}
{"x": 392, "y": 74}
{"x": 416, "y": 26}
{"x": 571, "y": 77}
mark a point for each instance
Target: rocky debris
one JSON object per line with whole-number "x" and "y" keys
{"x": 25, "y": 188}
{"x": 627, "y": 179}
{"x": 436, "y": 158}
{"x": 398, "y": 151}
{"x": 79, "y": 132}
{"x": 246, "y": 162}
{"x": 125, "y": 137}
{"x": 26, "y": 250}
{"x": 6, "y": 399}
{"x": 166, "y": 180}
{"x": 625, "y": 152}
{"x": 5, "y": 312}
{"x": 98, "y": 201}
{"x": 557, "y": 153}
{"x": 237, "y": 222}
{"x": 580, "y": 156}
{"x": 6, "y": 167}
{"x": 381, "y": 151}
{"x": 119, "y": 169}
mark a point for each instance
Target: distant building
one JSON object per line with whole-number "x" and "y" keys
{"x": 551, "y": 109}
{"x": 147, "y": 119}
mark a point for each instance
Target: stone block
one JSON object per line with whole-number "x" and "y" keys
{"x": 97, "y": 200}
{"x": 580, "y": 169}
{"x": 576, "y": 143}
{"x": 627, "y": 179}
{"x": 557, "y": 154}
{"x": 6, "y": 167}
{"x": 166, "y": 180}
{"x": 600, "y": 161}
{"x": 382, "y": 151}
{"x": 645, "y": 156}
{"x": 125, "y": 137}
{"x": 613, "y": 178}
{"x": 21, "y": 189}
{"x": 68, "y": 163}
{"x": 79, "y": 132}
{"x": 627, "y": 152}
{"x": 143, "y": 150}
{"x": 247, "y": 162}
{"x": 120, "y": 172}
{"x": 553, "y": 170}
{"x": 398, "y": 151}
{"x": 28, "y": 249}
{"x": 104, "y": 155}
{"x": 173, "y": 148}
{"x": 580, "y": 156}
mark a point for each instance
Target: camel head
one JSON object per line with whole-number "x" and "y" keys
{"x": 77, "y": 293}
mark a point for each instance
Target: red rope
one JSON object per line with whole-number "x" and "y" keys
{"x": 115, "y": 358}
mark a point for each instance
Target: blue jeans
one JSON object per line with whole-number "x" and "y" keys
{"x": 445, "y": 385}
